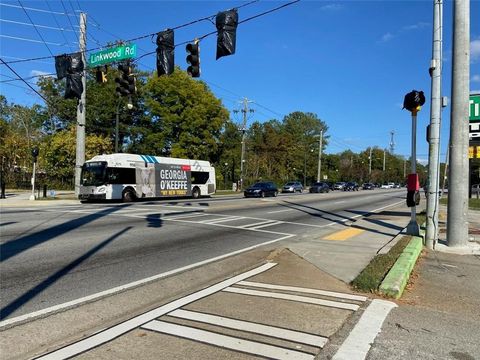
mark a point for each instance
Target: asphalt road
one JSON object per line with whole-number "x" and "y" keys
{"x": 51, "y": 255}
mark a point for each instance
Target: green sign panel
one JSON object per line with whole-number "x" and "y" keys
{"x": 118, "y": 53}
{"x": 474, "y": 109}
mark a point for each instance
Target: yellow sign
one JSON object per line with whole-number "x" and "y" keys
{"x": 474, "y": 152}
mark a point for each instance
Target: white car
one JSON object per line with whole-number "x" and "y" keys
{"x": 386, "y": 186}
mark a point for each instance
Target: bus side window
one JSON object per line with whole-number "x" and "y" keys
{"x": 199, "y": 177}
{"x": 121, "y": 175}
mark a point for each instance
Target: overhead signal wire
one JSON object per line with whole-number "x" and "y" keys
{"x": 18, "y": 58}
{"x": 177, "y": 27}
{"x": 30, "y": 40}
{"x": 26, "y": 78}
{"x": 36, "y": 29}
{"x": 56, "y": 21}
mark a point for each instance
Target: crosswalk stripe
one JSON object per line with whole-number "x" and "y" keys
{"x": 273, "y": 331}
{"x": 304, "y": 290}
{"x": 269, "y": 224}
{"x": 304, "y": 299}
{"x": 256, "y": 224}
{"x": 228, "y": 342}
{"x": 217, "y": 220}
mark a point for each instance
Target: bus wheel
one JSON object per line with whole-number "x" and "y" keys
{"x": 128, "y": 196}
{"x": 196, "y": 193}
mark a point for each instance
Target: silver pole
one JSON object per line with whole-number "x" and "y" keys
{"x": 32, "y": 197}
{"x": 370, "y": 164}
{"x": 412, "y": 227}
{"x": 457, "y": 223}
{"x": 320, "y": 156}
{"x": 116, "y": 124}
{"x": 80, "y": 151}
{"x": 435, "y": 121}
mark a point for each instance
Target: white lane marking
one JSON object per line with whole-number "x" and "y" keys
{"x": 222, "y": 219}
{"x": 96, "y": 296}
{"x": 360, "y": 339}
{"x": 278, "y": 211}
{"x": 120, "y": 329}
{"x": 183, "y": 216}
{"x": 270, "y": 224}
{"x": 228, "y": 342}
{"x": 251, "y": 226}
{"x": 308, "y": 300}
{"x": 304, "y": 290}
{"x": 273, "y": 331}
{"x": 339, "y": 202}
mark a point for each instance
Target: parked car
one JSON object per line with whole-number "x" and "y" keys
{"x": 331, "y": 185}
{"x": 292, "y": 186}
{"x": 386, "y": 186}
{"x": 368, "y": 186}
{"x": 350, "y": 186}
{"x": 339, "y": 185}
{"x": 319, "y": 187}
{"x": 261, "y": 189}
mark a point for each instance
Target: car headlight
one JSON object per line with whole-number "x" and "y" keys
{"x": 256, "y": 190}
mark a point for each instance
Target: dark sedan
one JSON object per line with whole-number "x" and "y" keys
{"x": 319, "y": 187}
{"x": 368, "y": 186}
{"x": 261, "y": 189}
{"x": 350, "y": 186}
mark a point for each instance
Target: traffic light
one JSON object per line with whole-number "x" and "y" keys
{"x": 101, "y": 74}
{"x": 165, "y": 52}
{"x": 193, "y": 59}
{"x": 125, "y": 81}
{"x": 414, "y": 101}
{"x": 35, "y": 154}
{"x": 226, "y": 23}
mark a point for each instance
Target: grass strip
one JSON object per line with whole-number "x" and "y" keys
{"x": 372, "y": 276}
{"x": 473, "y": 203}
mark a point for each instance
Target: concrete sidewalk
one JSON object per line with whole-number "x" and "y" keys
{"x": 22, "y": 199}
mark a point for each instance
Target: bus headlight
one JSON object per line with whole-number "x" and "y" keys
{"x": 101, "y": 189}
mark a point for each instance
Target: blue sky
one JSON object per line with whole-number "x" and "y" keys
{"x": 351, "y": 62}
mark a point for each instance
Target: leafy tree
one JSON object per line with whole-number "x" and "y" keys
{"x": 186, "y": 118}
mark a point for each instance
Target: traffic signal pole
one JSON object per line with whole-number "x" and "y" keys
{"x": 412, "y": 227}
{"x": 431, "y": 234}
{"x": 457, "y": 223}
{"x": 81, "y": 109}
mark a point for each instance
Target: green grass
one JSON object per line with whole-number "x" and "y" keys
{"x": 372, "y": 276}
{"x": 227, "y": 192}
{"x": 473, "y": 203}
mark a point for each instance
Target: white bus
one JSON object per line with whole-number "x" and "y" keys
{"x": 129, "y": 177}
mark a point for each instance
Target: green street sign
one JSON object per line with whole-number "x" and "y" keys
{"x": 118, "y": 53}
{"x": 474, "y": 108}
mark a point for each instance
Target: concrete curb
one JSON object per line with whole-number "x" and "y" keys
{"x": 396, "y": 279}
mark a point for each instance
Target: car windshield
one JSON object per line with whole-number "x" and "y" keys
{"x": 260, "y": 185}
{"x": 290, "y": 184}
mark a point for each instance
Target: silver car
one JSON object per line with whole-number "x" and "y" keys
{"x": 292, "y": 187}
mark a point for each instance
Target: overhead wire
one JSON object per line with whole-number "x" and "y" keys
{"x": 176, "y": 27}
{"x": 63, "y": 33}
{"x": 38, "y": 32}
{"x": 34, "y": 9}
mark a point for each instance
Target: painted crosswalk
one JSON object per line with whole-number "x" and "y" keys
{"x": 228, "y": 332}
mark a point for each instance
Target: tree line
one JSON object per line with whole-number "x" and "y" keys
{"x": 175, "y": 116}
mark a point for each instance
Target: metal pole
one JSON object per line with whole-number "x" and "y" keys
{"x": 244, "y": 129}
{"x": 445, "y": 170}
{"x": 80, "y": 151}
{"x": 431, "y": 234}
{"x": 116, "y": 124}
{"x": 32, "y": 197}
{"x": 404, "y": 168}
{"x": 384, "y": 150}
{"x": 457, "y": 229}
{"x": 370, "y": 164}
{"x": 412, "y": 227}
{"x": 320, "y": 144}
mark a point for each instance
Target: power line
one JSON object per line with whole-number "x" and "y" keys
{"x": 26, "y": 78}
{"x": 63, "y": 33}
{"x": 30, "y": 40}
{"x": 34, "y": 9}
{"x": 40, "y": 26}
{"x": 19, "y": 58}
{"x": 12, "y": 70}
{"x": 177, "y": 27}
{"x": 68, "y": 18}
{"x": 35, "y": 27}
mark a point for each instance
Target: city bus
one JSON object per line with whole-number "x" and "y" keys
{"x": 129, "y": 177}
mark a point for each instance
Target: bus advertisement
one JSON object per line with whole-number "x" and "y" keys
{"x": 129, "y": 177}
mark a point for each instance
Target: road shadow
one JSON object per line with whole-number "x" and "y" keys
{"x": 154, "y": 220}
{"x": 8, "y": 223}
{"x": 318, "y": 213}
{"x": 23, "y": 243}
{"x": 30, "y": 294}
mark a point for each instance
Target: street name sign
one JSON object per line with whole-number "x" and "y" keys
{"x": 117, "y": 53}
{"x": 474, "y": 107}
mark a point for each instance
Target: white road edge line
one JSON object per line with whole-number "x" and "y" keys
{"x": 89, "y": 298}
{"x": 269, "y": 224}
{"x": 361, "y": 338}
{"x": 304, "y": 299}
{"x": 278, "y": 211}
{"x": 227, "y": 342}
{"x": 304, "y": 290}
{"x": 248, "y": 326}
{"x": 106, "y": 335}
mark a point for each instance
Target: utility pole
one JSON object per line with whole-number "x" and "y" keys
{"x": 392, "y": 143}
{"x": 457, "y": 229}
{"x": 384, "y": 151}
{"x": 431, "y": 234}
{"x": 404, "y": 168}
{"x": 370, "y": 164}
{"x": 445, "y": 170}
{"x": 81, "y": 108}
{"x": 320, "y": 144}
{"x": 245, "y": 111}
{"x": 116, "y": 122}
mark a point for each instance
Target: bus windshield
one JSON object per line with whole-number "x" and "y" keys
{"x": 93, "y": 173}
